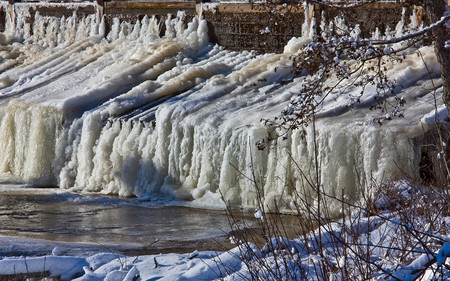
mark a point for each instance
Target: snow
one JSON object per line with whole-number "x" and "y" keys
{"x": 135, "y": 114}
{"x": 443, "y": 254}
{"x": 66, "y": 267}
{"x": 258, "y": 214}
{"x": 378, "y": 233}
{"x": 439, "y": 115}
{"x": 110, "y": 266}
{"x": 56, "y": 251}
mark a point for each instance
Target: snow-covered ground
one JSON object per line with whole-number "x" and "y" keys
{"x": 384, "y": 245}
{"x": 110, "y": 266}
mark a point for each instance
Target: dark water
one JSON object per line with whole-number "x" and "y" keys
{"x": 94, "y": 224}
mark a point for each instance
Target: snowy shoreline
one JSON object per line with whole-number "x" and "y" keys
{"x": 382, "y": 232}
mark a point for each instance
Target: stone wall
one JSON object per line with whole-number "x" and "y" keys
{"x": 2, "y": 18}
{"x": 60, "y": 10}
{"x": 268, "y": 28}
{"x": 261, "y": 28}
{"x": 50, "y": 9}
{"x": 241, "y": 26}
{"x": 371, "y": 16}
{"x": 132, "y": 10}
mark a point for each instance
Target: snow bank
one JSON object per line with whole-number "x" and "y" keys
{"x": 65, "y": 267}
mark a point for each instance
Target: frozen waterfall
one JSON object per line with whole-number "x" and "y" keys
{"x": 133, "y": 113}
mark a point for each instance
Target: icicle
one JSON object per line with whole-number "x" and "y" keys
{"x": 376, "y": 35}
{"x": 356, "y": 32}
{"x": 414, "y": 21}
{"x": 399, "y": 29}
{"x": 115, "y": 29}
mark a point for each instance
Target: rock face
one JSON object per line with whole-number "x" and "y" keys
{"x": 254, "y": 27}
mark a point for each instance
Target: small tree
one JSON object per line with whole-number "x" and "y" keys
{"x": 326, "y": 57}
{"x": 325, "y": 62}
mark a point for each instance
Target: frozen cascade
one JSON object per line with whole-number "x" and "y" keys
{"x": 133, "y": 113}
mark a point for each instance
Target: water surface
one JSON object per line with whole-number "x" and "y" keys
{"x": 46, "y": 217}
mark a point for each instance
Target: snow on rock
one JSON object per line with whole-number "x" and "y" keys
{"x": 203, "y": 266}
{"x": 439, "y": 115}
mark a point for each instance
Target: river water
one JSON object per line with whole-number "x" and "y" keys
{"x": 45, "y": 217}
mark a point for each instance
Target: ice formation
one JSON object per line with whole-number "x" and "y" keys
{"x": 133, "y": 113}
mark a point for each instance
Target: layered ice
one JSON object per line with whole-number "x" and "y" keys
{"x": 137, "y": 114}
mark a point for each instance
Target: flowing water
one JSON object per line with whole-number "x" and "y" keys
{"x": 131, "y": 113}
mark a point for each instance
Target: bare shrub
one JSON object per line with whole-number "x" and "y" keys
{"x": 396, "y": 233}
